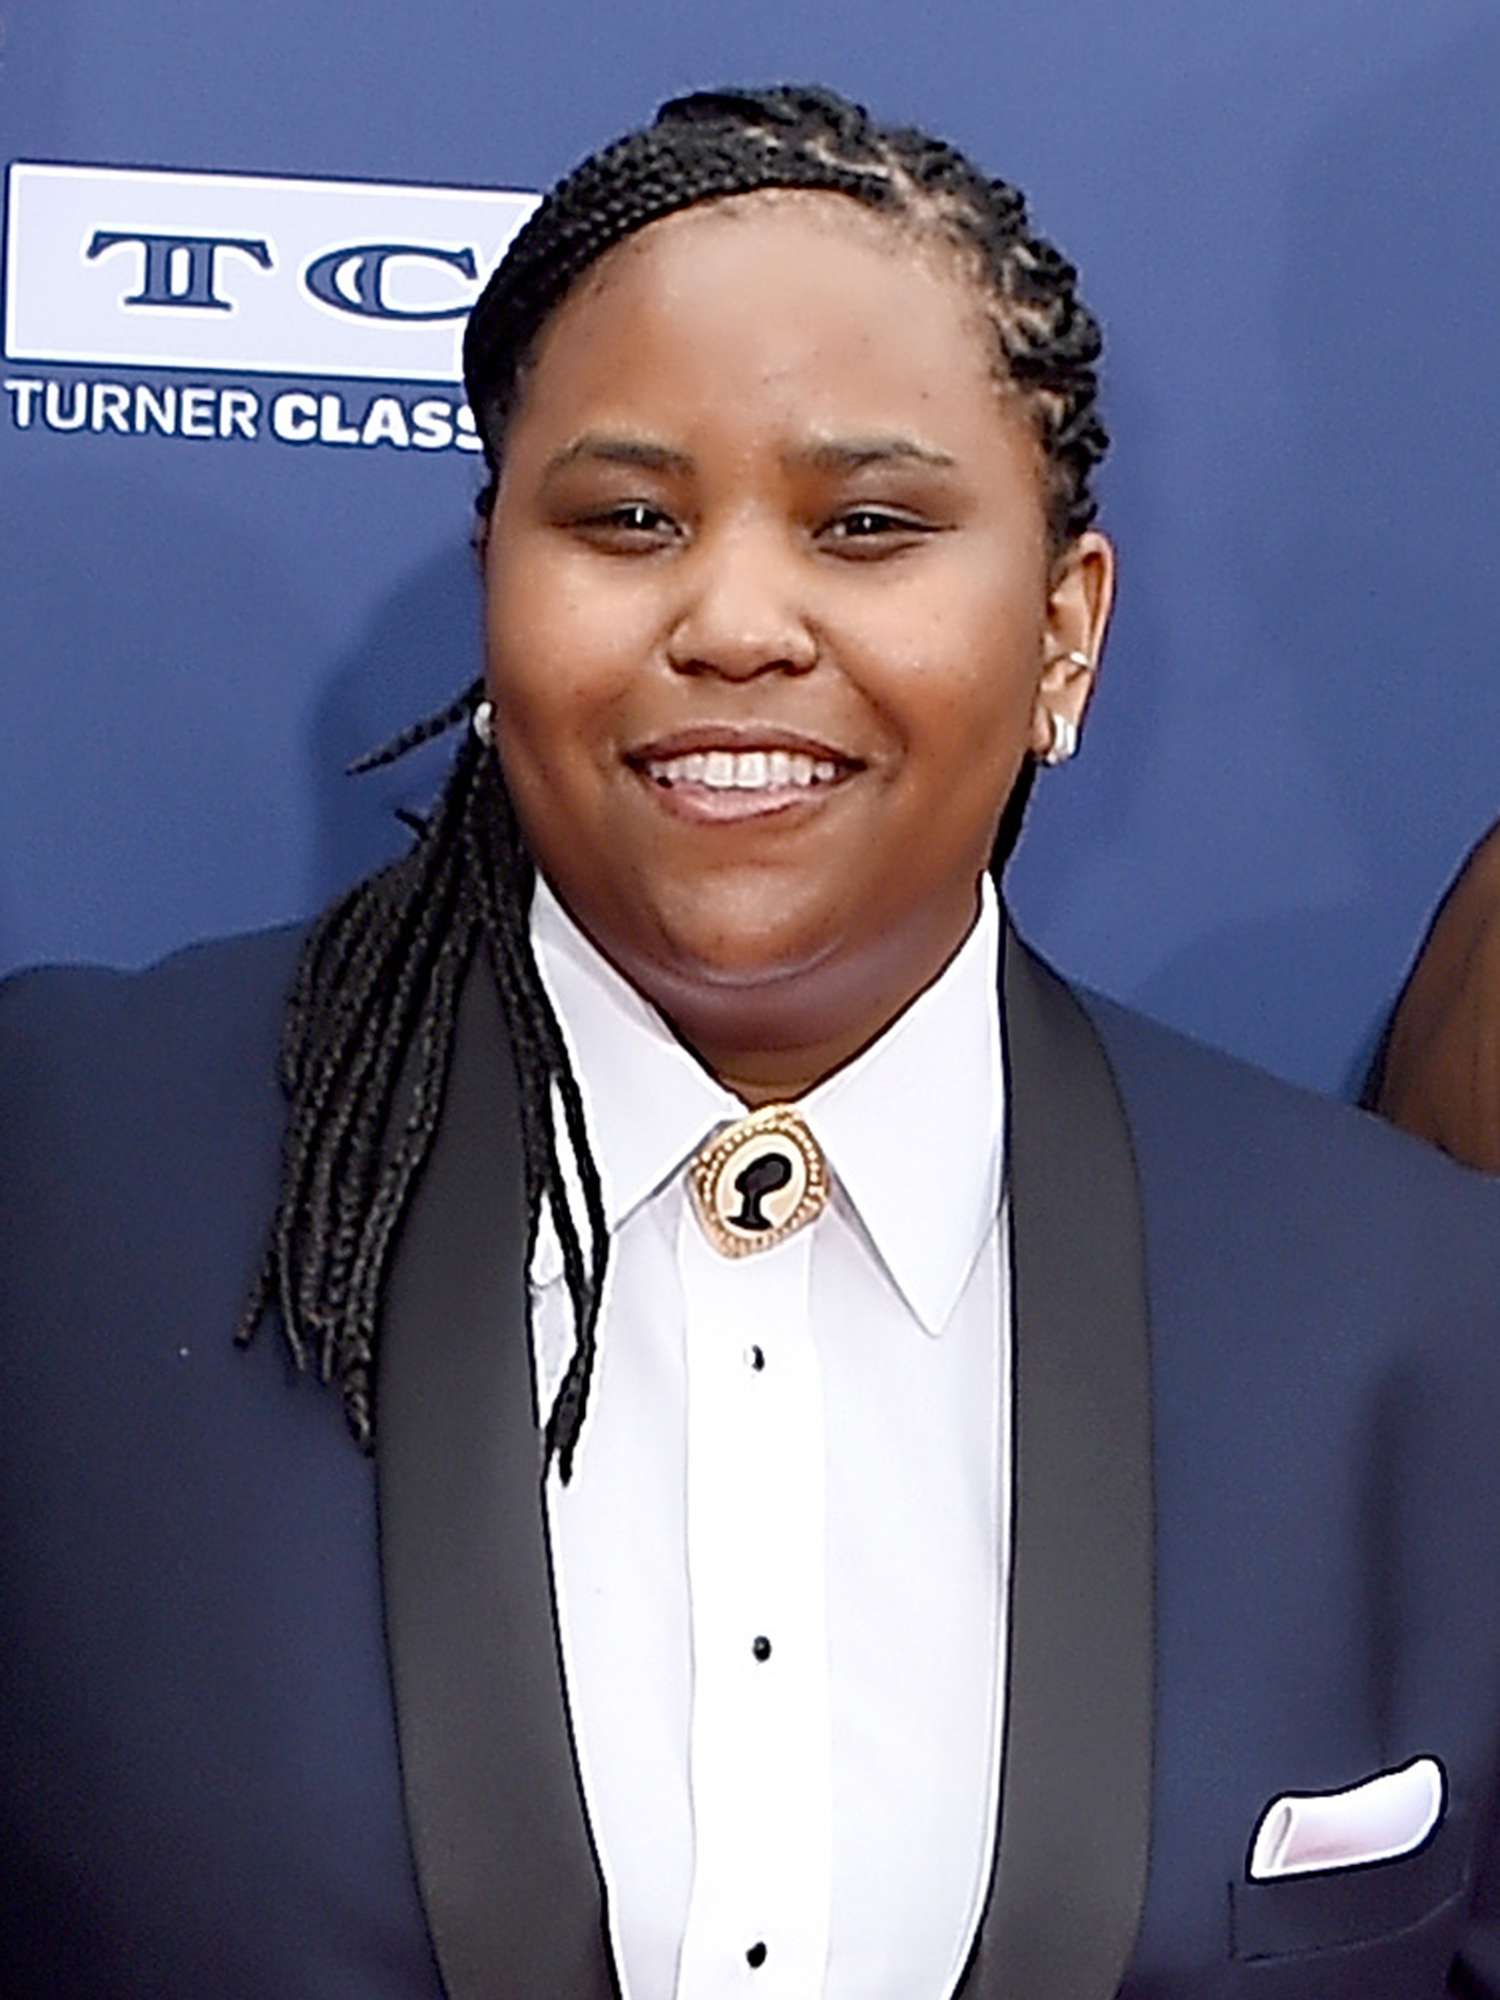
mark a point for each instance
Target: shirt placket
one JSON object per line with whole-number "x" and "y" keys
{"x": 760, "y": 1762}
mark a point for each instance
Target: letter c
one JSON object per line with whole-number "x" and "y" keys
{"x": 352, "y": 280}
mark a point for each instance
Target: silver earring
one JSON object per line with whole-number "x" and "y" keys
{"x": 1064, "y": 742}
{"x": 482, "y": 722}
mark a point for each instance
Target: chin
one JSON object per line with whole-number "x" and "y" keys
{"x": 723, "y": 942}
{"x": 738, "y": 962}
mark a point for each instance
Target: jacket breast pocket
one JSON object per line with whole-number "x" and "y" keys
{"x": 1349, "y": 1906}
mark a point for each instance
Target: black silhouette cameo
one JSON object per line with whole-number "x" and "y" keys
{"x": 753, "y": 1183}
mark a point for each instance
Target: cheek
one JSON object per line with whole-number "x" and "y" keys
{"x": 959, "y": 688}
{"x": 558, "y": 656}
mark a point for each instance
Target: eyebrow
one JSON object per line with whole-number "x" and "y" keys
{"x": 602, "y": 448}
{"x": 852, "y": 454}
{"x": 855, "y": 453}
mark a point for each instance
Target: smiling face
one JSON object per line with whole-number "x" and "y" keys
{"x": 773, "y": 617}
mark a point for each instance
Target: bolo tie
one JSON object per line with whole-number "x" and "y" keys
{"x": 758, "y": 1181}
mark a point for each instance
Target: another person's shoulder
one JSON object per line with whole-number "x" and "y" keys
{"x": 1439, "y": 1070}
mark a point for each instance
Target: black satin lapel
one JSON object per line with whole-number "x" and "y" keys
{"x": 501, "y": 1844}
{"x": 1066, "y": 1897}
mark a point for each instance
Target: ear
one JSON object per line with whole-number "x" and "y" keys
{"x": 1080, "y": 593}
{"x": 479, "y": 544}
{"x": 484, "y": 514}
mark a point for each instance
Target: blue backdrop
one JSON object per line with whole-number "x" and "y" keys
{"x": 1285, "y": 215}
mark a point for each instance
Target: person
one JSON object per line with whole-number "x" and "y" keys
{"x": 1436, "y": 1071}
{"x": 882, "y": 1474}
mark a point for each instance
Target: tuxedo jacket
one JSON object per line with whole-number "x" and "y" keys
{"x": 280, "y": 1722}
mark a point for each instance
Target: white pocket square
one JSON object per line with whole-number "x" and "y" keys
{"x": 1386, "y": 1816}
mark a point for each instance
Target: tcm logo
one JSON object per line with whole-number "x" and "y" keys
{"x": 247, "y": 273}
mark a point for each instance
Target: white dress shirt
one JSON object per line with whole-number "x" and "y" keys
{"x": 780, "y": 1563}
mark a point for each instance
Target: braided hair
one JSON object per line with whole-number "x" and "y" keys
{"x": 368, "y": 1031}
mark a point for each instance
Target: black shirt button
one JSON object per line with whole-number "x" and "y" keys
{"x": 756, "y": 1357}
{"x": 762, "y": 1649}
{"x": 756, "y": 1956}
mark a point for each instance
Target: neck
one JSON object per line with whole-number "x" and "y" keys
{"x": 774, "y": 1054}
{"x": 780, "y": 1076}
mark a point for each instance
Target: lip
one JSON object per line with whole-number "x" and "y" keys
{"x": 706, "y": 805}
{"x": 738, "y": 736}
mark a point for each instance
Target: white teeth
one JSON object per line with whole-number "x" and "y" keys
{"x": 744, "y": 770}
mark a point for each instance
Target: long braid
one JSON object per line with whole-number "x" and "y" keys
{"x": 365, "y": 1060}
{"x": 368, "y": 1032}
{"x": 502, "y": 859}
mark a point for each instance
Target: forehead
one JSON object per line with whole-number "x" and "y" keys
{"x": 806, "y": 305}
{"x": 791, "y": 224}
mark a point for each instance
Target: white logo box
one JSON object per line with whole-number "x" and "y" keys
{"x": 391, "y": 252}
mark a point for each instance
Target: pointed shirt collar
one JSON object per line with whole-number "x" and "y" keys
{"x": 912, "y": 1128}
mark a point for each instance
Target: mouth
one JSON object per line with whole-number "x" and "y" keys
{"x": 736, "y": 774}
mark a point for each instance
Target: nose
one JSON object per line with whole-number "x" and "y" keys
{"x": 741, "y": 616}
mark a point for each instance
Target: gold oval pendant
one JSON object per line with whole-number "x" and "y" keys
{"x": 758, "y": 1182}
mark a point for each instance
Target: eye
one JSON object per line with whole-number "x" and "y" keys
{"x": 868, "y": 521}
{"x": 873, "y": 531}
{"x": 629, "y": 525}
